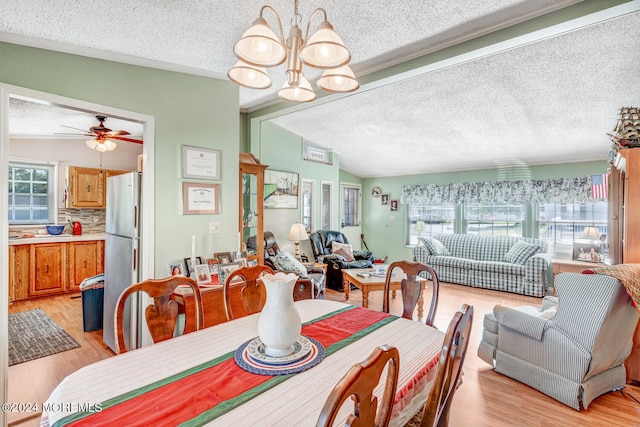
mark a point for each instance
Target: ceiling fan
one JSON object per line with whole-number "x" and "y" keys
{"x": 103, "y": 136}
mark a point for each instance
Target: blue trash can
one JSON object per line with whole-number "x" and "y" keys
{"x": 92, "y": 291}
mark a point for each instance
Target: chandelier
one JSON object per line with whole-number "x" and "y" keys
{"x": 260, "y": 48}
{"x": 101, "y": 144}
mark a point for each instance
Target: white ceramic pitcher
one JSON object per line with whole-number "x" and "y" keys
{"x": 279, "y": 325}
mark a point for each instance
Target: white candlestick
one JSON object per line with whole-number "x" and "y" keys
{"x": 193, "y": 247}
{"x": 239, "y": 242}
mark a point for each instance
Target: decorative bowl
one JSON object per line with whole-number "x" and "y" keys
{"x": 55, "y": 229}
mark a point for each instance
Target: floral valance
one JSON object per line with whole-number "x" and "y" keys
{"x": 562, "y": 190}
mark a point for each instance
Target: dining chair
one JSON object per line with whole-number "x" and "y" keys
{"x": 411, "y": 288}
{"x": 359, "y": 383}
{"x": 162, "y": 314}
{"x": 449, "y": 370}
{"x": 252, "y": 292}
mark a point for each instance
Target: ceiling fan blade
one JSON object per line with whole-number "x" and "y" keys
{"x": 84, "y": 131}
{"x": 122, "y": 138}
{"x": 74, "y": 134}
{"x": 117, "y": 133}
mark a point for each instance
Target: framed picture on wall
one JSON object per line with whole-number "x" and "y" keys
{"x": 280, "y": 189}
{"x": 200, "y": 163}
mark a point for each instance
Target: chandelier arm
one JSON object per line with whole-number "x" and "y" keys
{"x": 266, "y": 6}
{"x": 318, "y": 10}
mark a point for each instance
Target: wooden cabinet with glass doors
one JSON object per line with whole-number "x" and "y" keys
{"x": 251, "y": 204}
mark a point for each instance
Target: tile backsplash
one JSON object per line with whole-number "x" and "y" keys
{"x": 92, "y": 220}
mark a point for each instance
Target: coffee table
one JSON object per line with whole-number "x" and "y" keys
{"x": 354, "y": 276}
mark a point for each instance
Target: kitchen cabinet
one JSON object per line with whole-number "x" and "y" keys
{"x": 88, "y": 186}
{"x": 19, "y": 272}
{"x": 48, "y": 269}
{"x": 251, "y": 199}
{"x": 86, "y": 259}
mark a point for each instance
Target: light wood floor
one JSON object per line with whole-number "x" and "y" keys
{"x": 484, "y": 399}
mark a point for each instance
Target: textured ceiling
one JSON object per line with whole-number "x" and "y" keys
{"x": 548, "y": 101}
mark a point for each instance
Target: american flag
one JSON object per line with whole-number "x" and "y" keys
{"x": 599, "y": 186}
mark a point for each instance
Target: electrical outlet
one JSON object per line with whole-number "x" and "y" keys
{"x": 392, "y": 217}
{"x": 214, "y": 228}
{"x": 67, "y": 218}
{"x": 96, "y": 219}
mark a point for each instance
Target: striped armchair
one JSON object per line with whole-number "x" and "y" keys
{"x": 573, "y": 347}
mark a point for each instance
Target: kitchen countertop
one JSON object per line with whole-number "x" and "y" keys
{"x": 47, "y": 238}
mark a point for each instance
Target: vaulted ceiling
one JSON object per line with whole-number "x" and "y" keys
{"x": 445, "y": 86}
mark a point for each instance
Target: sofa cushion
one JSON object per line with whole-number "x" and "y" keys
{"x": 520, "y": 252}
{"x": 434, "y": 246}
{"x": 287, "y": 262}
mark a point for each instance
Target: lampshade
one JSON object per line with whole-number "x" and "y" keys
{"x": 300, "y": 93}
{"x": 590, "y": 233}
{"x": 250, "y": 76}
{"x": 419, "y": 226}
{"x": 339, "y": 79}
{"x": 325, "y": 49}
{"x": 298, "y": 232}
{"x": 260, "y": 46}
{"x": 101, "y": 145}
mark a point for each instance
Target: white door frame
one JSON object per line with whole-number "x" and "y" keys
{"x": 353, "y": 233}
{"x": 147, "y": 202}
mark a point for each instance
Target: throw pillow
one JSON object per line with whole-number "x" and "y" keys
{"x": 346, "y": 255}
{"x": 520, "y": 252}
{"x": 435, "y": 246}
{"x": 286, "y": 262}
{"x": 346, "y": 246}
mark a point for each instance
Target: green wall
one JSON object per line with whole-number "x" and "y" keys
{"x": 188, "y": 109}
{"x": 385, "y": 231}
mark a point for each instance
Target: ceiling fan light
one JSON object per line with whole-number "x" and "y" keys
{"x": 101, "y": 147}
{"x": 109, "y": 144}
{"x": 302, "y": 92}
{"x": 260, "y": 46}
{"x": 250, "y": 76}
{"x": 91, "y": 143}
{"x": 339, "y": 79}
{"x": 325, "y": 49}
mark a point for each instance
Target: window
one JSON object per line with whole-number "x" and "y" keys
{"x": 326, "y": 202}
{"x": 31, "y": 193}
{"x": 430, "y": 220}
{"x": 564, "y": 223}
{"x": 489, "y": 219}
{"x": 308, "y": 204}
{"x": 351, "y": 206}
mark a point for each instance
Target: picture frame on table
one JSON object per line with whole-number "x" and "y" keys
{"x": 189, "y": 267}
{"x": 223, "y": 257}
{"x": 200, "y": 163}
{"x": 588, "y": 252}
{"x": 213, "y": 266}
{"x": 240, "y": 255}
{"x": 252, "y": 262}
{"x": 203, "y": 275}
{"x": 224, "y": 270}
{"x": 177, "y": 268}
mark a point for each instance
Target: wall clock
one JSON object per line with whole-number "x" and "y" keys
{"x": 376, "y": 191}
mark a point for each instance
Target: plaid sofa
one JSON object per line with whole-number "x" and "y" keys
{"x": 487, "y": 262}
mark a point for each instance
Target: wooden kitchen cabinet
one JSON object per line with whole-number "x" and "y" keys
{"x": 48, "y": 268}
{"x": 86, "y": 259}
{"x": 19, "y": 269}
{"x": 87, "y": 186}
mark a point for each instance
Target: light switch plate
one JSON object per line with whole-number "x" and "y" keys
{"x": 214, "y": 228}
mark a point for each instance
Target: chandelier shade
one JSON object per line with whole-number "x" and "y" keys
{"x": 101, "y": 145}
{"x": 250, "y": 76}
{"x": 261, "y": 47}
{"x": 339, "y": 79}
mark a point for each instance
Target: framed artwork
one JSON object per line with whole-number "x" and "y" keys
{"x": 203, "y": 275}
{"x": 200, "y": 163}
{"x": 224, "y": 270}
{"x": 189, "y": 267}
{"x": 198, "y": 198}
{"x": 315, "y": 154}
{"x": 177, "y": 268}
{"x": 223, "y": 257}
{"x": 384, "y": 199}
{"x": 280, "y": 189}
{"x": 393, "y": 205}
{"x": 589, "y": 252}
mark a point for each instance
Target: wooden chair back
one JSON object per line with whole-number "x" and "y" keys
{"x": 162, "y": 314}
{"x": 449, "y": 370}
{"x": 252, "y": 291}
{"x": 359, "y": 383}
{"x": 411, "y": 288}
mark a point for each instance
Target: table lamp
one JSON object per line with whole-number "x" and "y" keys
{"x": 297, "y": 233}
{"x": 590, "y": 233}
{"x": 419, "y": 227}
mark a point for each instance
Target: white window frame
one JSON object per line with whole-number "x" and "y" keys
{"x": 323, "y": 200}
{"x": 312, "y": 204}
{"x": 52, "y": 209}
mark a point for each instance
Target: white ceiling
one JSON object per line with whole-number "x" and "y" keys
{"x": 549, "y": 97}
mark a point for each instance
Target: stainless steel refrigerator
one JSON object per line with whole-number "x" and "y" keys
{"x": 122, "y": 252}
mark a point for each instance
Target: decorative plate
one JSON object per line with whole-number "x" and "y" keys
{"x": 376, "y": 191}
{"x": 250, "y": 356}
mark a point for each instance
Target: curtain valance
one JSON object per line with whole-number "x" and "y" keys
{"x": 562, "y": 190}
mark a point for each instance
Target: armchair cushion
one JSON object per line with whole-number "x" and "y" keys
{"x": 530, "y": 325}
{"x": 286, "y": 262}
{"x": 520, "y": 252}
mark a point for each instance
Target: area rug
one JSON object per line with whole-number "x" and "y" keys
{"x": 33, "y": 334}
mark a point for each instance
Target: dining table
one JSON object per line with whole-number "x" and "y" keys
{"x": 197, "y": 378}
